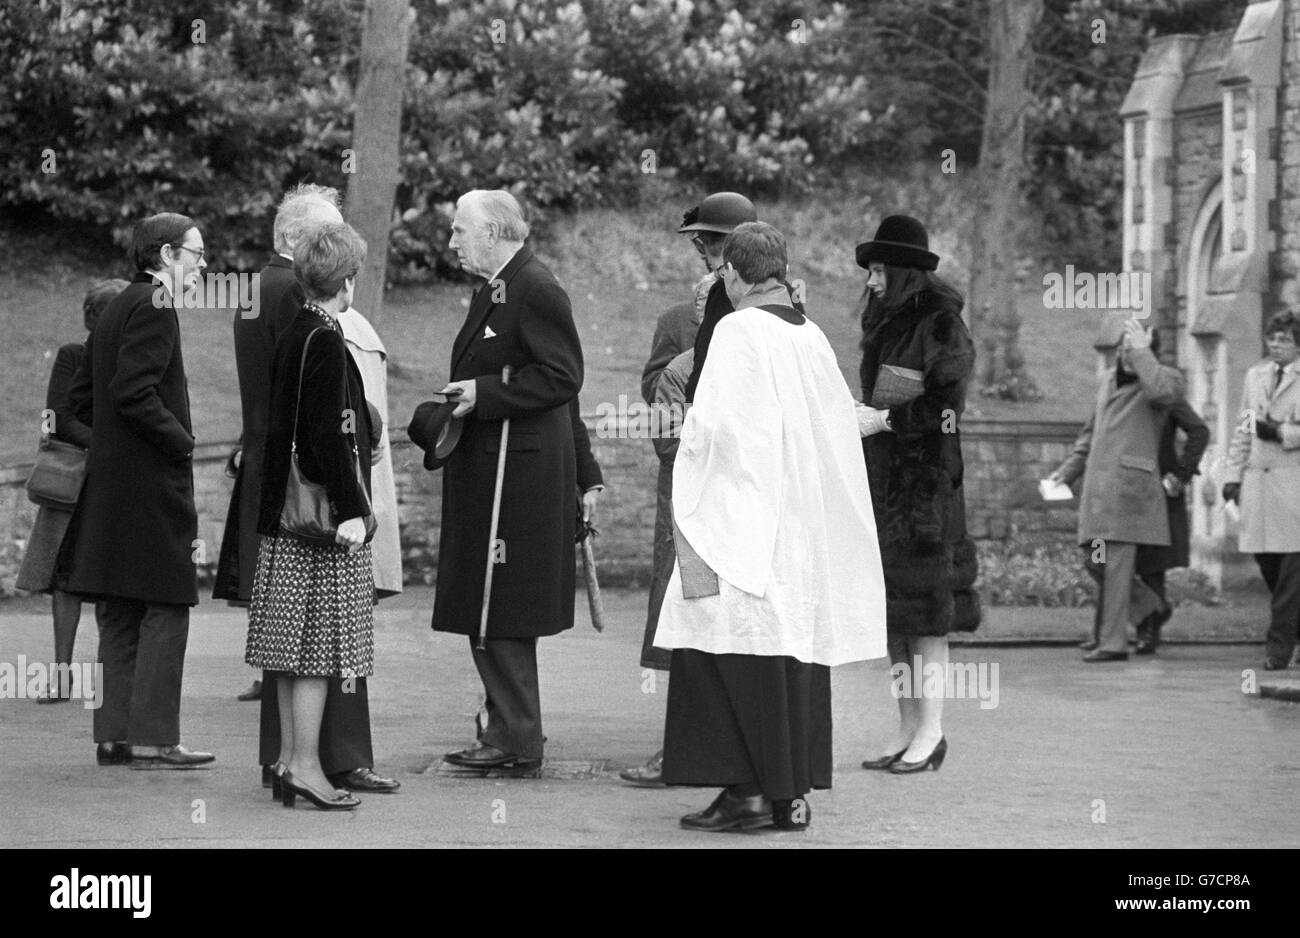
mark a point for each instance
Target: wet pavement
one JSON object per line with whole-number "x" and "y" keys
{"x": 1176, "y": 750}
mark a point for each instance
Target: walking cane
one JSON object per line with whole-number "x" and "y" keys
{"x": 496, "y": 516}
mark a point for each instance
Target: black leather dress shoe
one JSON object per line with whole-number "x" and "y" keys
{"x": 1089, "y": 645}
{"x": 253, "y": 693}
{"x": 481, "y": 756}
{"x": 1102, "y": 655}
{"x": 650, "y": 775}
{"x": 112, "y": 753}
{"x": 729, "y": 813}
{"x": 1275, "y": 664}
{"x": 268, "y": 776}
{"x": 365, "y": 779}
{"x": 168, "y": 757}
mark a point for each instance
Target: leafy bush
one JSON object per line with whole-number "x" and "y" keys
{"x": 141, "y": 118}
{"x": 1055, "y": 576}
{"x": 215, "y": 109}
{"x": 1046, "y": 577}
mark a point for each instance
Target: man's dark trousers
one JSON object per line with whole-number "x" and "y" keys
{"x": 344, "y": 727}
{"x": 508, "y": 669}
{"x": 1281, "y": 573}
{"x": 142, "y": 653}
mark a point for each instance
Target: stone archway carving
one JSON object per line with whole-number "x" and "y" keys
{"x": 1203, "y": 353}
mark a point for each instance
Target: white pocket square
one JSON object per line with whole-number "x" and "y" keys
{"x": 488, "y": 333}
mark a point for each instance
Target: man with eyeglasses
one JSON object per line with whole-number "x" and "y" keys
{"x": 1263, "y": 477}
{"x": 136, "y": 525}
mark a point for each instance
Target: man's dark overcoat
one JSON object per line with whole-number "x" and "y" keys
{"x": 136, "y": 525}
{"x": 532, "y": 330}
{"x": 279, "y": 300}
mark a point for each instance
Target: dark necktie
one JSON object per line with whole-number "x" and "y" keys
{"x": 1277, "y": 377}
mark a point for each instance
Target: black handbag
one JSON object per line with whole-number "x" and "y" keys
{"x": 58, "y": 475}
{"x": 306, "y": 515}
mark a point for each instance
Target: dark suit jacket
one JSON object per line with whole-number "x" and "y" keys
{"x": 280, "y": 298}
{"x": 331, "y": 386}
{"x": 135, "y": 526}
{"x": 675, "y": 332}
{"x": 1181, "y": 416}
{"x": 58, "y": 396}
{"x": 531, "y": 330}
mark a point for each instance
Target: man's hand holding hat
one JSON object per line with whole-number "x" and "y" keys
{"x": 465, "y": 394}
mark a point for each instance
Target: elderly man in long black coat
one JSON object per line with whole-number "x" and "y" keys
{"x": 346, "y": 751}
{"x": 520, "y": 317}
{"x": 136, "y": 528}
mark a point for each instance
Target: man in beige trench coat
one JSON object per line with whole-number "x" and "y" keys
{"x": 1123, "y": 504}
{"x": 368, "y": 352}
{"x": 1263, "y": 475}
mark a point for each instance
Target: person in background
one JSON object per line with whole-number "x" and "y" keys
{"x": 311, "y": 618}
{"x": 1176, "y": 467}
{"x": 368, "y": 351}
{"x": 131, "y": 544}
{"x": 1263, "y": 477}
{"x": 917, "y": 358}
{"x": 1123, "y": 504}
{"x": 668, "y": 410}
{"x": 708, "y": 224}
{"x": 38, "y": 573}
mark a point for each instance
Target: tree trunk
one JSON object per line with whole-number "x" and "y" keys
{"x": 376, "y": 135}
{"x": 995, "y": 318}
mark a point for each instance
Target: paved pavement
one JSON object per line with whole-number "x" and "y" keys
{"x": 1156, "y": 752}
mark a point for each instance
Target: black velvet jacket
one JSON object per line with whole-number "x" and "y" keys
{"x": 332, "y": 418}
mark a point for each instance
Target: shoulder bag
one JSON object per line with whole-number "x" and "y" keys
{"x": 58, "y": 475}
{"x": 306, "y": 514}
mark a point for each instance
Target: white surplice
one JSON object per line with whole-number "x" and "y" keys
{"x": 770, "y": 489}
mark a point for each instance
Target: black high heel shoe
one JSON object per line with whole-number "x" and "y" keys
{"x": 291, "y": 790}
{"x": 277, "y": 781}
{"x": 933, "y": 760}
{"x": 884, "y": 762}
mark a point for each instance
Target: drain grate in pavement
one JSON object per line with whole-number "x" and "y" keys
{"x": 551, "y": 768}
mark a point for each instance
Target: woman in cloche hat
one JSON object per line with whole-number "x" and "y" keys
{"x": 917, "y": 356}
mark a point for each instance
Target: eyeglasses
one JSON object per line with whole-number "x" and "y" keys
{"x": 197, "y": 252}
{"x": 706, "y": 244}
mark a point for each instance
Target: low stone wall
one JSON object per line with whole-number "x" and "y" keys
{"x": 1004, "y": 461}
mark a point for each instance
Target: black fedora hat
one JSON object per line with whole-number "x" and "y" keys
{"x": 435, "y": 430}
{"x": 900, "y": 241}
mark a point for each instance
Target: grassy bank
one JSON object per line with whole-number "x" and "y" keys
{"x": 621, "y": 268}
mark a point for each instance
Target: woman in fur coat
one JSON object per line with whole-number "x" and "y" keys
{"x": 917, "y": 356}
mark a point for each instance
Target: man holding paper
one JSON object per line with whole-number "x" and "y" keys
{"x": 1123, "y": 503}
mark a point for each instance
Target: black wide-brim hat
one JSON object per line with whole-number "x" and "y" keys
{"x": 900, "y": 241}
{"x": 435, "y": 430}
